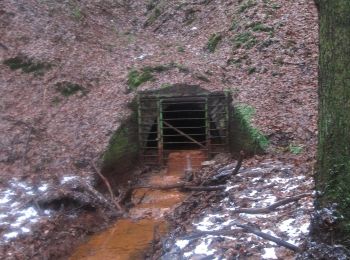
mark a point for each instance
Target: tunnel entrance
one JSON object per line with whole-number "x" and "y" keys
{"x": 183, "y": 119}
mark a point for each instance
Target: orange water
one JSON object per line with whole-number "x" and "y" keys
{"x": 128, "y": 238}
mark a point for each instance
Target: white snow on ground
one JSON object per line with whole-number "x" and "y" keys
{"x": 203, "y": 247}
{"x": 269, "y": 253}
{"x": 18, "y": 212}
{"x": 259, "y": 192}
{"x": 182, "y": 243}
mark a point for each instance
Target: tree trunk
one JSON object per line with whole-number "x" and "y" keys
{"x": 333, "y": 158}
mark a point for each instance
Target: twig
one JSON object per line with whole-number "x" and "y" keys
{"x": 273, "y": 206}
{"x": 183, "y": 186}
{"x": 106, "y": 182}
{"x": 248, "y": 229}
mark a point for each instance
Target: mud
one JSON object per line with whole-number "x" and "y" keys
{"x": 129, "y": 238}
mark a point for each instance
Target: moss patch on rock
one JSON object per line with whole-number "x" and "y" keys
{"x": 136, "y": 77}
{"x": 123, "y": 149}
{"x": 244, "y": 136}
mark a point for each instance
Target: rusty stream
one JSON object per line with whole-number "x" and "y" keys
{"x": 129, "y": 238}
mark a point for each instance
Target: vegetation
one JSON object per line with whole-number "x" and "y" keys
{"x": 213, "y": 42}
{"x": 153, "y": 17}
{"x": 137, "y": 77}
{"x": 246, "y": 5}
{"x": 295, "y": 149}
{"x": 244, "y": 135}
{"x": 259, "y": 27}
{"x": 67, "y": 88}
{"x": 27, "y": 65}
{"x": 244, "y": 39}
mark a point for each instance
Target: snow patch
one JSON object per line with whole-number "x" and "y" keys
{"x": 182, "y": 243}
{"x": 203, "y": 247}
{"x": 269, "y": 253}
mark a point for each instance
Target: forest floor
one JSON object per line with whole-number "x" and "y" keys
{"x": 67, "y": 91}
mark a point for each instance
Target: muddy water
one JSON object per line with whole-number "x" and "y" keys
{"x": 128, "y": 238}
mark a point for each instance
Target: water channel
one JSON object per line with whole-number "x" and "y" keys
{"x": 129, "y": 238}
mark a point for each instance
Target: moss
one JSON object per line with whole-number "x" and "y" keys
{"x": 165, "y": 85}
{"x": 27, "y": 65}
{"x": 251, "y": 70}
{"x": 213, "y": 42}
{"x": 246, "y": 5}
{"x": 201, "y": 77}
{"x": 122, "y": 151}
{"x": 137, "y": 77}
{"x": 151, "y": 4}
{"x": 259, "y": 27}
{"x": 77, "y": 14}
{"x": 180, "y": 49}
{"x": 244, "y": 136}
{"x": 295, "y": 149}
{"x": 66, "y": 88}
{"x": 153, "y": 17}
{"x": 234, "y": 25}
{"x": 245, "y": 39}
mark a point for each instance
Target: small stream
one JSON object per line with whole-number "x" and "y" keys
{"x": 129, "y": 238}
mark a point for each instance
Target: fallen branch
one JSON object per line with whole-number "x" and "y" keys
{"x": 226, "y": 174}
{"x": 106, "y": 182}
{"x": 266, "y": 236}
{"x": 245, "y": 228}
{"x": 182, "y": 186}
{"x": 273, "y": 206}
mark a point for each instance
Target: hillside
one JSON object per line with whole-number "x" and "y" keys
{"x": 66, "y": 82}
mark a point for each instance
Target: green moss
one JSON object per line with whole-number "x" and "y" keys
{"x": 122, "y": 151}
{"x": 245, "y": 39}
{"x": 153, "y": 17}
{"x": 66, "y": 88}
{"x": 213, "y": 42}
{"x": 246, "y": 5}
{"x": 259, "y": 27}
{"x": 77, "y": 14}
{"x": 251, "y": 70}
{"x": 27, "y": 65}
{"x": 180, "y": 49}
{"x": 137, "y": 77}
{"x": 201, "y": 77}
{"x": 151, "y": 4}
{"x": 244, "y": 136}
{"x": 234, "y": 25}
{"x": 295, "y": 149}
{"x": 165, "y": 85}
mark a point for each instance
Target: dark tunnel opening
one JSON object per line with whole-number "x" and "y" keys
{"x": 183, "y": 121}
